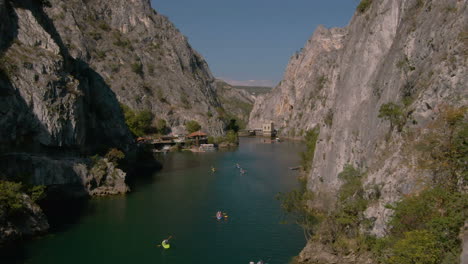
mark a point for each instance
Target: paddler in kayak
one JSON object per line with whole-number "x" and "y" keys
{"x": 219, "y": 215}
{"x": 165, "y": 244}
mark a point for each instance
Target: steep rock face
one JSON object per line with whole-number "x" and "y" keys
{"x": 54, "y": 111}
{"x": 412, "y": 53}
{"x": 301, "y": 98}
{"x": 51, "y": 104}
{"x": 143, "y": 57}
{"x": 49, "y": 100}
{"x": 235, "y": 103}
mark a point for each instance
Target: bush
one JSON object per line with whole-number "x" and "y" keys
{"x": 436, "y": 209}
{"x": 232, "y": 126}
{"x": 295, "y": 205}
{"x": 104, "y": 26}
{"x": 161, "y": 126}
{"x": 308, "y": 155}
{"x": 418, "y": 247}
{"x": 351, "y": 202}
{"x": 192, "y": 126}
{"x": 10, "y": 196}
{"x": 444, "y": 148}
{"x": 393, "y": 113}
{"x": 211, "y": 140}
{"x": 364, "y": 5}
{"x": 114, "y": 155}
{"x": 37, "y": 192}
{"x": 160, "y": 95}
{"x": 231, "y": 137}
{"x": 137, "y": 68}
{"x": 140, "y": 122}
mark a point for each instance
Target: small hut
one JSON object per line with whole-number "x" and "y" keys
{"x": 199, "y": 137}
{"x": 268, "y": 129}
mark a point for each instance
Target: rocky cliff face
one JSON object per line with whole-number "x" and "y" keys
{"x": 235, "y": 103}
{"x": 412, "y": 53}
{"x": 301, "y": 98}
{"x": 54, "y": 110}
{"x": 51, "y": 103}
{"x": 142, "y": 57}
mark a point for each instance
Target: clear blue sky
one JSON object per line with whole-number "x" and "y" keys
{"x": 252, "y": 39}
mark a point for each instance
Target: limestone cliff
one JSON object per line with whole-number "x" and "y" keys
{"x": 235, "y": 103}
{"x": 143, "y": 58}
{"x": 412, "y": 53}
{"x": 54, "y": 110}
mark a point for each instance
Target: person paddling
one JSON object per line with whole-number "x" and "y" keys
{"x": 165, "y": 243}
{"x": 219, "y": 215}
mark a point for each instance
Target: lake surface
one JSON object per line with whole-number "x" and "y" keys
{"x": 181, "y": 201}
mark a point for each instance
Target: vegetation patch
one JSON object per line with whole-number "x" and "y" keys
{"x": 11, "y": 196}
{"x": 425, "y": 225}
{"x": 230, "y": 137}
{"x": 137, "y": 68}
{"x": 139, "y": 122}
{"x": 329, "y": 118}
{"x": 364, "y": 5}
{"x": 395, "y": 114}
{"x": 114, "y": 155}
{"x": 192, "y": 126}
{"x": 307, "y": 156}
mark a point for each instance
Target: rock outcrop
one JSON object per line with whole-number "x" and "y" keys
{"x": 29, "y": 221}
{"x": 409, "y": 52}
{"x": 143, "y": 58}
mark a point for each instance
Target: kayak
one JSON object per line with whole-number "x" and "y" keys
{"x": 220, "y": 217}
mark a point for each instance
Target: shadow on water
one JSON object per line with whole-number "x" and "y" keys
{"x": 62, "y": 214}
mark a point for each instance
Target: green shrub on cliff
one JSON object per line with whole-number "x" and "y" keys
{"x": 425, "y": 226}
{"x": 444, "y": 150}
{"x": 114, "y": 155}
{"x": 192, "y": 126}
{"x": 139, "y": 122}
{"x": 351, "y": 205}
{"x": 364, "y": 5}
{"x": 419, "y": 247}
{"x": 308, "y": 155}
{"x": 10, "y": 196}
{"x": 295, "y": 205}
{"x": 393, "y": 113}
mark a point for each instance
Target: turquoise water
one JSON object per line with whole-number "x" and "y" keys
{"x": 181, "y": 201}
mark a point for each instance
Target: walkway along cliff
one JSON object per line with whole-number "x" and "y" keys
{"x": 372, "y": 89}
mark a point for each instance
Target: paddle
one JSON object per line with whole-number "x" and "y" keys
{"x": 159, "y": 245}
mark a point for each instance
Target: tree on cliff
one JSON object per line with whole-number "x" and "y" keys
{"x": 192, "y": 126}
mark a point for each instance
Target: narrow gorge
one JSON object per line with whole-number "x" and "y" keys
{"x": 373, "y": 90}
{"x": 372, "y": 118}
